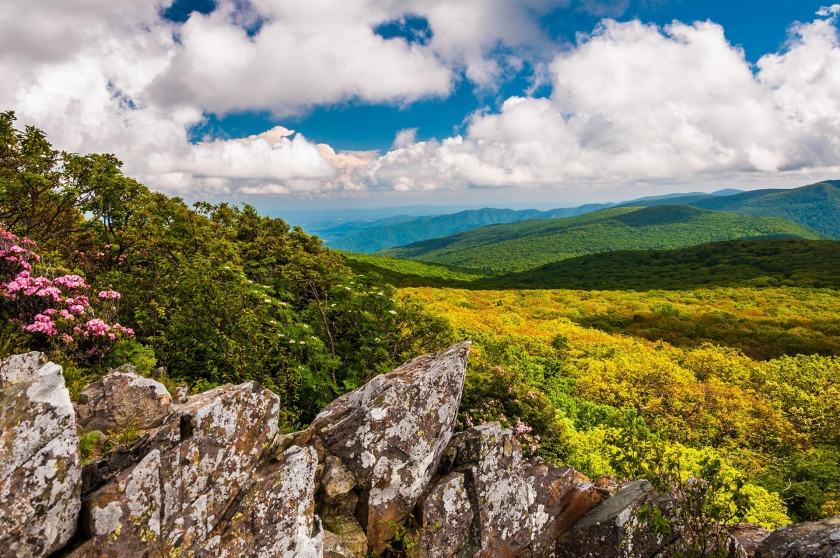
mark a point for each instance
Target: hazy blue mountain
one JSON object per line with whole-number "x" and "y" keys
{"x": 373, "y": 236}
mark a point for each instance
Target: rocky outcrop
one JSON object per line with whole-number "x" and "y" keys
{"x": 819, "y": 539}
{"x": 209, "y": 459}
{"x": 391, "y": 434}
{"x": 749, "y": 536}
{"x": 613, "y": 529}
{"x": 520, "y": 507}
{"x": 40, "y": 473}
{"x": 379, "y": 471}
{"x": 444, "y": 517}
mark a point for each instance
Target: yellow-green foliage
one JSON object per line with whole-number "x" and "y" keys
{"x": 777, "y": 422}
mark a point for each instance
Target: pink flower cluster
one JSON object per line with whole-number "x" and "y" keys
{"x": 57, "y": 308}
{"x": 16, "y": 253}
{"x": 492, "y": 411}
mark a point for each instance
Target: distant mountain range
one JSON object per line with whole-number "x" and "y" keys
{"x": 373, "y": 236}
{"x": 816, "y": 206}
{"x": 510, "y": 247}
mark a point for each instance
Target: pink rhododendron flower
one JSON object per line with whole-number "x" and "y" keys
{"x": 97, "y": 327}
{"x": 49, "y": 306}
{"x": 42, "y": 324}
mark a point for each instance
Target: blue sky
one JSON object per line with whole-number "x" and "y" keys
{"x": 759, "y": 27}
{"x": 370, "y": 103}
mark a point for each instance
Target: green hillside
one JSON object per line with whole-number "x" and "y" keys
{"x": 519, "y": 246}
{"x": 396, "y": 231}
{"x": 408, "y": 273}
{"x": 816, "y": 206}
{"x": 761, "y": 263}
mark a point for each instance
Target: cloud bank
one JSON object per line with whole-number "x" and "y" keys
{"x": 629, "y": 102}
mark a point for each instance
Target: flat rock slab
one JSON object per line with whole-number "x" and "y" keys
{"x": 40, "y": 473}
{"x": 613, "y": 529}
{"x": 122, "y": 400}
{"x": 391, "y": 434}
{"x": 818, "y": 539}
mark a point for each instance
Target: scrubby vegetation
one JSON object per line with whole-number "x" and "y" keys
{"x": 591, "y": 392}
{"x": 733, "y": 263}
{"x": 758, "y": 263}
{"x": 519, "y": 246}
{"x": 408, "y": 273}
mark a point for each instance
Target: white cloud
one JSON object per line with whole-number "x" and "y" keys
{"x": 405, "y": 138}
{"x": 629, "y": 103}
{"x": 116, "y": 77}
{"x": 828, "y": 11}
{"x": 305, "y": 54}
{"x": 634, "y": 102}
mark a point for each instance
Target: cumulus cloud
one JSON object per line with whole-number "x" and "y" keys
{"x": 629, "y": 102}
{"x": 635, "y": 102}
{"x": 405, "y": 138}
{"x": 305, "y": 54}
{"x": 106, "y": 76}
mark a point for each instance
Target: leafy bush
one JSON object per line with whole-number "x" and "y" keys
{"x": 213, "y": 293}
{"x": 59, "y": 312}
{"x": 697, "y": 399}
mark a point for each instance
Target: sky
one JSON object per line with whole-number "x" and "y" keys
{"x": 371, "y": 103}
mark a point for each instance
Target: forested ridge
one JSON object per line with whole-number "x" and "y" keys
{"x": 387, "y": 233}
{"x": 735, "y": 381}
{"x": 518, "y": 246}
{"x": 816, "y": 206}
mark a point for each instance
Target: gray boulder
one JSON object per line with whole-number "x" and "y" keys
{"x": 40, "y": 473}
{"x": 818, "y": 539}
{"x": 520, "y": 506}
{"x": 202, "y": 459}
{"x": 391, "y": 434}
{"x": 347, "y": 528}
{"x": 334, "y": 547}
{"x": 123, "y": 399}
{"x": 275, "y": 515}
{"x": 614, "y": 530}
{"x": 557, "y": 498}
{"x": 749, "y": 536}
{"x": 445, "y": 517}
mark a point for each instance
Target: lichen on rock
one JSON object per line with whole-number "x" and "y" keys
{"x": 40, "y": 473}
{"x": 123, "y": 399}
{"x": 391, "y": 434}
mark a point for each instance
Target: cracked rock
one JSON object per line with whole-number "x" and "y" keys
{"x": 391, "y": 434}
